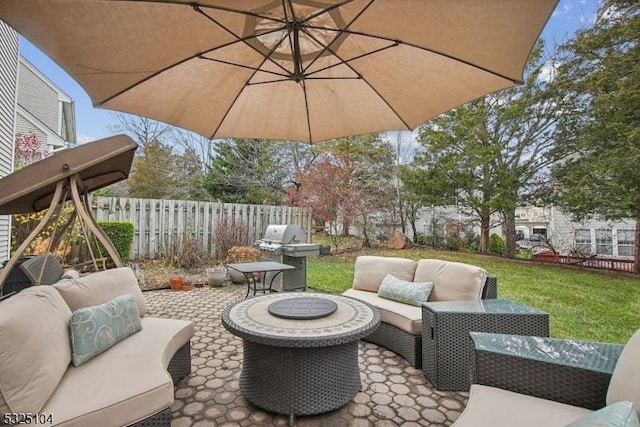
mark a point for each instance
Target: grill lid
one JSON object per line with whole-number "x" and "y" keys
{"x": 283, "y": 234}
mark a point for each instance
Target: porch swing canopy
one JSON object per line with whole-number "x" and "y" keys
{"x": 98, "y": 164}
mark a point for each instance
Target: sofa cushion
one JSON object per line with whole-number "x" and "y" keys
{"x": 124, "y": 384}
{"x": 404, "y": 291}
{"x": 625, "y": 381}
{"x": 34, "y": 348}
{"x": 452, "y": 281}
{"x": 620, "y": 414}
{"x": 404, "y": 316}
{"x": 95, "y": 329}
{"x": 98, "y": 288}
{"x": 370, "y": 270}
{"x": 494, "y": 407}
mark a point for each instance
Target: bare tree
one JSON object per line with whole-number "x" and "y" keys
{"x": 143, "y": 130}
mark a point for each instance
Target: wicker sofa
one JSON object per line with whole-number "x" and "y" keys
{"x": 551, "y": 382}
{"x": 131, "y": 383}
{"x": 401, "y": 326}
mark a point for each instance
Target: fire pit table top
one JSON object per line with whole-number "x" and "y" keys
{"x": 251, "y": 320}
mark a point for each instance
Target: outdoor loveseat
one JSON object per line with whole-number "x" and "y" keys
{"x": 401, "y": 328}
{"x": 44, "y": 328}
{"x": 535, "y": 381}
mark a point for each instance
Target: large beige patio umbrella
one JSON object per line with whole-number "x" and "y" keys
{"x": 305, "y": 70}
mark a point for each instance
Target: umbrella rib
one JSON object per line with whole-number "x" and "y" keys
{"x": 244, "y": 66}
{"x": 328, "y": 9}
{"x": 342, "y": 61}
{"x": 198, "y": 55}
{"x": 226, "y": 113}
{"x": 351, "y": 59}
{"x": 399, "y": 42}
{"x": 242, "y": 39}
{"x": 222, "y": 8}
{"x": 340, "y": 33}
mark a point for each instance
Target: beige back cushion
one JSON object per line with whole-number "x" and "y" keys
{"x": 625, "y": 381}
{"x": 370, "y": 270}
{"x": 103, "y": 286}
{"x": 34, "y": 348}
{"x": 452, "y": 281}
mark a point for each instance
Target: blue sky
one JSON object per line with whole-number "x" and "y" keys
{"x": 93, "y": 123}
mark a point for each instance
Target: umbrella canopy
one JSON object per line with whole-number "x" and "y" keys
{"x": 304, "y": 70}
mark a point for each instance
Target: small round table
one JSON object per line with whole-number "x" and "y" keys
{"x": 300, "y": 366}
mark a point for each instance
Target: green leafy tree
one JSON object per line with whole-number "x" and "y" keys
{"x": 602, "y": 70}
{"x": 488, "y": 155}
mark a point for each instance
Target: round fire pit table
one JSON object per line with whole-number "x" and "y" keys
{"x": 302, "y": 366}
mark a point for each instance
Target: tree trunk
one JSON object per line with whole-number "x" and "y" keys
{"x": 366, "y": 243}
{"x": 636, "y": 257}
{"x": 485, "y": 228}
{"x": 509, "y": 230}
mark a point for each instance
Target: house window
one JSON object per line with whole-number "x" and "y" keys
{"x": 583, "y": 241}
{"x": 626, "y": 242}
{"x": 604, "y": 241}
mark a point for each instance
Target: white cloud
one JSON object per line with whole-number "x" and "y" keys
{"x": 83, "y": 139}
{"x": 548, "y": 71}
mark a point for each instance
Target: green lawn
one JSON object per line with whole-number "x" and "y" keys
{"x": 581, "y": 304}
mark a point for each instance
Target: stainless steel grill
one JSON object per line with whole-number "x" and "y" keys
{"x": 288, "y": 244}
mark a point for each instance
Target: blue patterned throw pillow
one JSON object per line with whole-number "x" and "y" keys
{"x": 95, "y": 329}
{"x": 402, "y": 291}
{"x": 619, "y": 414}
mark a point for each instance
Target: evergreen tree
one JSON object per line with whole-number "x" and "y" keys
{"x": 602, "y": 70}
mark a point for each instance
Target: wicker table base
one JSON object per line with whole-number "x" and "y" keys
{"x": 445, "y": 334}
{"x": 300, "y": 367}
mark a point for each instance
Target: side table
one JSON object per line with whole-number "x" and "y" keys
{"x": 574, "y": 372}
{"x": 445, "y": 334}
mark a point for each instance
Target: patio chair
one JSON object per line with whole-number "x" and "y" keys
{"x": 534, "y": 381}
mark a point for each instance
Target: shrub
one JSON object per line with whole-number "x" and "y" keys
{"x": 497, "y": 245}
{"x": 186, "y": 251}
{"x": 121, "y": 234}
{"x": 229, "y": 233}
{"x": 242, "y": 254}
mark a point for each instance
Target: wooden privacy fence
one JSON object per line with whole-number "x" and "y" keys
{"x": 157, "y": 222}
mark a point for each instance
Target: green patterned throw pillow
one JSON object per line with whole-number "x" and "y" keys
{"x": 402, "y": 291}
{"x": 619, "y": 414}
{"x": 97, "y": 328}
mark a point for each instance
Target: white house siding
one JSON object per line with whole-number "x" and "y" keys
{"x": 596, "y": 237}
{"x": 38, "y": 97}
{"x": 9, "y": 59}
{"x": 44, "y": 108}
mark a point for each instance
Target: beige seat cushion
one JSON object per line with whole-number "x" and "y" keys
{"x": 452, "y": 281}
{"x": 404, "y": 316}
{"x": 34, "y": 348}
{"x": 370, "y": 270}
{"x": 126, "y": 383}
{"x": 625, "y": 381}
{"x": 103, "y": 286}
{"x": 494, "y": 407}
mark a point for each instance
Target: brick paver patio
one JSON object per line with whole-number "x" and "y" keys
{"x": 393, "y": 393}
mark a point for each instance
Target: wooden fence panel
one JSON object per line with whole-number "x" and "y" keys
{"x": 158, "y": 222}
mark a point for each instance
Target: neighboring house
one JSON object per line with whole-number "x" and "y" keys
{"x": 43, "y": 108}
{"x": 599, "y": 237}
{"x": 29, "y": 102}
{"x": 9, "y": 59}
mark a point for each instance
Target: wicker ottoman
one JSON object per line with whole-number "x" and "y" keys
{"x": 300, "y": 367}
{"x": 445, "y": 334}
